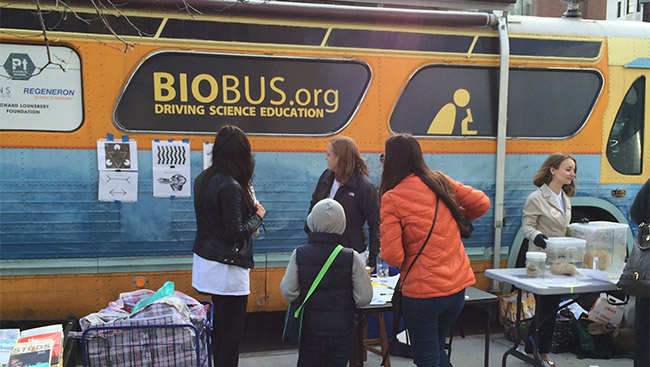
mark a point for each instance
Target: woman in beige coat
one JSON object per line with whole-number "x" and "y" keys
{"x": 547, "y": 213}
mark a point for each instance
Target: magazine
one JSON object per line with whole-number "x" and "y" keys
{"x": 50, "y": 332}
{"x": 36, "y": 353}
{"x": 8, "y": 338}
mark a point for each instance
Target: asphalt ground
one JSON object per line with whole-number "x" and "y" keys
{"x": 262, "y": 346}
{"x": 466, "y": 352}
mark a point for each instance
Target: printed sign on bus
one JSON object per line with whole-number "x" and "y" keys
{"x": 36, "y": 95}
{"x": 198, "y": 92}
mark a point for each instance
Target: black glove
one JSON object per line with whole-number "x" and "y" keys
{"x": 540, "y": 240}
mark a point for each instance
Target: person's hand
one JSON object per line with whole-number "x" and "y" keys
{"x": 260, "y": 209}
{"x": 540, "y": 240}
{"x": 369, "y": 270}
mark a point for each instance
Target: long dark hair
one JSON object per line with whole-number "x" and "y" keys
{"x": 402, "y": 157}
{"x": 232, "y": 155}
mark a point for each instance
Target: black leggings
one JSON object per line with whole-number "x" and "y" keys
{"x": 228, "y": 329}
{"x": 545, "y": 311}
{"x": 641, "y": 332}
{"x": 547, "y": 307}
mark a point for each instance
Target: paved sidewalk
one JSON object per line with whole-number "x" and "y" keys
{"x": 466, "y": 352}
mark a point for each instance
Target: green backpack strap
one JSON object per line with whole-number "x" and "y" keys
{"x": 320, "y": 275}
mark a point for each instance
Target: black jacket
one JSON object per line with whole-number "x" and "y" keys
{"x": 224, "y": 223}
{"x": 330, "y": 309}
{"x": 360, "y": 199}
{"x": 640, "y": 209}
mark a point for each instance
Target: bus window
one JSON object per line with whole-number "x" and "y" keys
{"x": 625, "y": 144}
{"x": 460, "y": 100}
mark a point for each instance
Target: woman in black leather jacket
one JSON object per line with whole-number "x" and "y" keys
{"x": 346, "y": 181}
{"x": 227, "y": 215}
{"x": 639, "y": 213}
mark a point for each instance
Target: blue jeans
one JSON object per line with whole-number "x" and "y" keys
{"x": 428, "y": 321}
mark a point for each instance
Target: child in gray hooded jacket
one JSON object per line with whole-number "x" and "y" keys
{"x": 328, "y": 318}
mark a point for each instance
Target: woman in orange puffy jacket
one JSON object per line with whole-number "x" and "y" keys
{"x": 434, "y": 290}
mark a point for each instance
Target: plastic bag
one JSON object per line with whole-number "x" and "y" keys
{"x": 166, "y": 290}
{"x": 508, "y": 307}
{"x": 605, "y": 312}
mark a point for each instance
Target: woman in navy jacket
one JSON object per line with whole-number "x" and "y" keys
{"x": 346, "y": 181}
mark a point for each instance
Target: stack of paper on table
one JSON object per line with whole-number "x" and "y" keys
{"x": 382, "y": 289}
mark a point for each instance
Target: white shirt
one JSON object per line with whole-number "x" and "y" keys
{"x": 334, "y": 189}
{"x": 213, "y": 277}
{"x": 560, "y": 201}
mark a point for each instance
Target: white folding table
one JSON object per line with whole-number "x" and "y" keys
{"x": 587, "y": 281}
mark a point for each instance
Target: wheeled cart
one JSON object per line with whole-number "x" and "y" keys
{"x": 148, "y": 342}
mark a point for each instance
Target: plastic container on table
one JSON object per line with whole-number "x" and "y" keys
{"x": 382, "y": 268}
{"x": 569, "y": 249}
{"x": 606, "y": 244}
{"x": 535, "y": 264}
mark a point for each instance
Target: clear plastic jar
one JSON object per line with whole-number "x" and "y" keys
{"x": 382, "y": 268}
{"x": 535, "y": 264}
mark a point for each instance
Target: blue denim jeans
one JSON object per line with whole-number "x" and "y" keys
{"x": 428, "y": 321}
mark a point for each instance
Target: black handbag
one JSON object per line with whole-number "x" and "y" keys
{"x": 293, "y": 318}
{"x": 635, "y": 279}
{"x": 292, "y": 323}
{"x": 396, "y": 299}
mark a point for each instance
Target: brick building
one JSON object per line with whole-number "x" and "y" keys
{"x": 637, "y": 10}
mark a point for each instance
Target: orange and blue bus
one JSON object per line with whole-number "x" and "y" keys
{"x": 488, "y": 96}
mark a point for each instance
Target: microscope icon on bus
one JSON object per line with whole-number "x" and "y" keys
{"x": 445, "y": 120}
